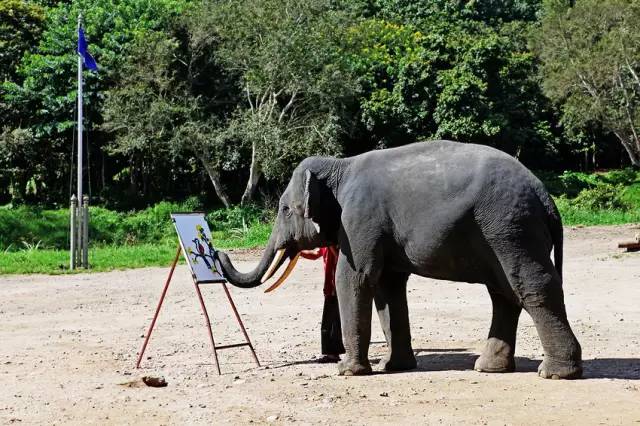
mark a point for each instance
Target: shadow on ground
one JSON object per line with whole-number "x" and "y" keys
{"x": 460, "y": 359}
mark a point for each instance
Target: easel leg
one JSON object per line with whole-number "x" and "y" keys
{"x": 208, "y": 324}
{"x": 235, "y": 311}
{"x": 155, "y": 317}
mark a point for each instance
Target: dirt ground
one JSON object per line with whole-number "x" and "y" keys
{"x": 68, "y": 346}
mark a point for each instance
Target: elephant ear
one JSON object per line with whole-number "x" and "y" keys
{"x": 311, "y": 196}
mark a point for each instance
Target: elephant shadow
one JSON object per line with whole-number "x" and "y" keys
{"x": 460, "y": 359}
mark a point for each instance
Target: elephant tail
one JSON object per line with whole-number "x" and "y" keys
{"x": 555, "y": 228}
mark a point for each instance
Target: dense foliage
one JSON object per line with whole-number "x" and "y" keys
{"x": 219, "y": 99}
{"x": 591, "y": 56}
{"x": 583, "y": 198}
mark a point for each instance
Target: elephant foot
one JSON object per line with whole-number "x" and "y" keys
{"x": 497, "y": 357}
{"x": 397, "y": 363}
{"x": 554, "y": 369}
{"x": 348, "y": 367}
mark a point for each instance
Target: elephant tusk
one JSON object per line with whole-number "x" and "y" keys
{"x": 285, "y": 274}
{"x": 277, "y": 260}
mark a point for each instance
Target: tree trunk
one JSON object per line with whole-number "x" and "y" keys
{"x": 632, "y": 146}
{"x": 254, "y": 177}
{"x": 214, "y": 176}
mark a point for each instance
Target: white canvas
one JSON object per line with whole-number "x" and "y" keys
{"x": 197, "y": 246}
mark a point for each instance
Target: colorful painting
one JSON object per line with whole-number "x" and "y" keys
{"x": 197, "y": 246}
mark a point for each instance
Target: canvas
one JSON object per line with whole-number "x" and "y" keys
{"x": 197, "y": 246}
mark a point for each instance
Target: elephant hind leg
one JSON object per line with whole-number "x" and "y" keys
{"x": 391, "y": 304}
{"x": 537, "y": 284}
{"x": 498, "y": 354}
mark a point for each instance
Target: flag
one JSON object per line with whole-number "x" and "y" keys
{"x": 83, "y": 51}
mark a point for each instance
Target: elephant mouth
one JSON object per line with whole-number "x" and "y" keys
{"x": 280, "y": 258}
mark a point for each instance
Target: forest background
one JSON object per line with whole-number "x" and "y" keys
{"x": 210, "y": 104}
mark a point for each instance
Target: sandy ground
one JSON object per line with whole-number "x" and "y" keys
{"x": 68, "y": 346}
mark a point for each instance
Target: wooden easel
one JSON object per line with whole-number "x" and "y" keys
{"x": 206, "y": 316}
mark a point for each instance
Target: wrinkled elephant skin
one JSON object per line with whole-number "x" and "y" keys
{"x": 439, "y": 209}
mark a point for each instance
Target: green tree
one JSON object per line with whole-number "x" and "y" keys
{"x": 268, "y": 103}
{"x": 42, "y": 96}
{"x": 456, "y": 78}
{"x": 20, "y": 28}
{"x": 169, "y": 103}
{"x": 591, "y": 63}
{"x": 289, "y": 59}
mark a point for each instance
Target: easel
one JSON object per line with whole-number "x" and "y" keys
{"x": 206, "y": 316}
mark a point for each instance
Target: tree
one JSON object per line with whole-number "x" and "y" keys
{"x": 42, "y": 94}
{"x": 20, "y": 28}
{"x": 238, "y": 89}
{"x": 591, "y": 63}
{"x": 291, "y": 67}
{"x": 291, "y": 93}
{"x": 169, "y": 102}
{"x": 448, "y": 78}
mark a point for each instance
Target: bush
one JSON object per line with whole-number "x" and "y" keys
{"x": 602, "y": 196}
{"x": 238, "y": 217}
{"x": 28, "y": 226}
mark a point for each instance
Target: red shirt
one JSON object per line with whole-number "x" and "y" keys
{"x": 330, "y": 258}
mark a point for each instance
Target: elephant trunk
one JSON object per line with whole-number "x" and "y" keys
{"x": 252, "y": 278}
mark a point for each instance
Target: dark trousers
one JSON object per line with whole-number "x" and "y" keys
{"x": 330, "y": 331}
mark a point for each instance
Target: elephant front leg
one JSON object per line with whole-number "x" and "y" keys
{"x": 498, "y": 354}
{"x": 355, "y": 296}
{"x": 391, "y": 304}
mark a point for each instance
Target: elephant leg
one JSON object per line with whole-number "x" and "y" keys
{"x": 539, "y": 287}
{"x": 562, "y": 352}
{"x": 355, "y": 299}
{"x": 498, "y": 354}
{"x": 391, "y": 304}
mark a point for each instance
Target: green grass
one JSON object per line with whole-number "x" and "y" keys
{"x": 101, "y": 258}
{"x": 111, "y": 257}
{"x": 607, "y": 198}
{"x": 34, "y": 240}
{"x": 572, "y": 215}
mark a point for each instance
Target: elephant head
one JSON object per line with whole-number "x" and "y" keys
{"x": 308, "y": 217}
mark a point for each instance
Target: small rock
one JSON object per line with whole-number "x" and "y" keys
{"x": 272, "y": 419}
{"x": 385, "y": 394}
{"x": 154, "y": 381}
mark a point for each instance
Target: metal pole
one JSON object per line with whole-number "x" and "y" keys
{"x": 155, "y": 316}
{"x": 73, "y": 228}
{"x": 85, "y": 231}
{"x": 79, "y": 234}
{"x": 244, "y": 331}
{"x": 80, "y": 154}
{"x": 207, "y": 322}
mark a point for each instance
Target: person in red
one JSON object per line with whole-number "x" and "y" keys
{"x": 330, "y": 331}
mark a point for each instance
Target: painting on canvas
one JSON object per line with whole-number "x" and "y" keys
{"x": 197, "y": 247}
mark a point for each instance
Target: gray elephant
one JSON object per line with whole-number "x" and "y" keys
{"x": 438, "y": 209}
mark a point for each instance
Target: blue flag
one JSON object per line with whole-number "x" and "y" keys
{"x": 83, "y": 51}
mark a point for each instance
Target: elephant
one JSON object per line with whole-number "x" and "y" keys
{"x": 439, "y": 209}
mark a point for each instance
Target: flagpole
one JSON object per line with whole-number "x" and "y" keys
{"x": 80, "y": 145}
{"x": 79, "y": 225}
